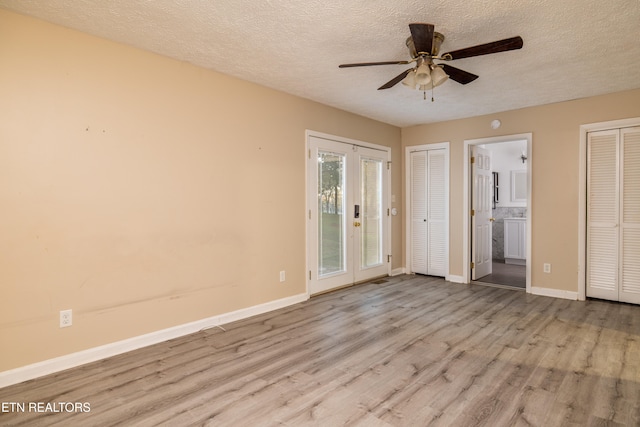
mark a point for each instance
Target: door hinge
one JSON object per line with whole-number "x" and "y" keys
{"x": 473, "y": 160}
{"x": 388, "y": 165}
{"x": 309, "y": 274}
{"x": 473, "y": 265}
{"x": 388, "y": 212}
{"x": 309, "y": 213}
{"x": 473, "y": 212}
{"x": 388, "y": 258}
{"x": 309, "y": 152}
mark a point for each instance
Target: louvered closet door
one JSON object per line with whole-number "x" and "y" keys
{"x": 630, "y": 223}
{"x": 428, "y": 212}
{"x": 436, "y": 211}
{"x": 602, "y": 215}
{"x": 419, "y": 212}
{"x": 613, "y": 215}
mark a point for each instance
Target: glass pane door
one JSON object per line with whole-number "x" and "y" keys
{"x": 370, "y": 228}
{"x": 371, "y": 196}
{"x": 346, "y": 196}
{"x": 331, "y": 217}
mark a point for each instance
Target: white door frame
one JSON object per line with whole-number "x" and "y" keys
{"x": 387, "y": 243}
{"x": 407, "y": 214}
{"x": 466, "y": 223}
{"x": 582, "y": 194}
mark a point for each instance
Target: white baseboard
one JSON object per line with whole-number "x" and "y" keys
{"x": 46, "y": 367}
{"x": 397, "y": 271}
{"x": 454, "y": 279}
{"x": 555, "y": 293}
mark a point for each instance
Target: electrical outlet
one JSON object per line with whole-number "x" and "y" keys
{"x": 66, "y": 318}
{"x": 282, "y": 276}
{"x": 546, "y": 267}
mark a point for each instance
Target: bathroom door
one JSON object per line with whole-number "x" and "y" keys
{"x": 481, "y": 214}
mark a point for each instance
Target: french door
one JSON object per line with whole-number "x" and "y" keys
{"x": 348, "y": 213}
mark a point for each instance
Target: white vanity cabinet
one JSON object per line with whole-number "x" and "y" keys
{"x": 515, "y": 245}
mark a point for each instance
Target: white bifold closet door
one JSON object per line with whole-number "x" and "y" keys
{"x": 429, "y": 212}
{"x": 613, "y": 215}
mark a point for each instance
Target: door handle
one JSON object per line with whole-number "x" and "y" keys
{"x": 492, "y": 219}
{"x": 356, "y": 224}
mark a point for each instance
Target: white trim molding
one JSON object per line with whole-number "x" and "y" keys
{"x": 555, "y": 293}
{"x": 397, "y": 271}
{"x": 454, "y": 279}
{"x": 35, "y": 370}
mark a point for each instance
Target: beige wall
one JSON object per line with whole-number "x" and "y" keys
{"x": 555, "y": 146}
{"x": 143, "y": 192}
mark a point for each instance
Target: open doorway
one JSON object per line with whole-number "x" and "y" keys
{"x": 509, "y": 213}
{"x": 498, "y": 238}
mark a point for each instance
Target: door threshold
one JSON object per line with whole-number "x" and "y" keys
{"x": 372, "y": 279}
{"x": 495, "y": 285}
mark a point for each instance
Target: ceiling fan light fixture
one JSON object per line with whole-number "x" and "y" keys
{"x": 438, "y": 76}
{"x": 410, "y": 79}
{"x": 423, "y": 75}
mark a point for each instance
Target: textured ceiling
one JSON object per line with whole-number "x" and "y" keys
{"x": 572, "y": 48}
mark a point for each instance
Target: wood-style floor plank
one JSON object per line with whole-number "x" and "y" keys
{"x": 407, "y": 351}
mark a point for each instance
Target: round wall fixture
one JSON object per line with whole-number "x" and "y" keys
{"x": 495, "y": 124}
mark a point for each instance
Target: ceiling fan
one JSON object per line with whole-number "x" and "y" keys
{"x": 424, "y": 46}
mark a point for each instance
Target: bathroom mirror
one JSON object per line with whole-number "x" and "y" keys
{"x": 519, "y": 186}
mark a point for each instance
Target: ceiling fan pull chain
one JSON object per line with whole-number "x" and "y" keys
{"x": 424, "y": 94}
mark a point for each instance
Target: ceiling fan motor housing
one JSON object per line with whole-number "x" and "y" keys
{"x": 438, "y": 38}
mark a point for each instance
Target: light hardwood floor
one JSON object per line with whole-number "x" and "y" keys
{"x": 411, "y": 351}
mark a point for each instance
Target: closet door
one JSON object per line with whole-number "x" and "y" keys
{"x": 602, "y": 215}
{"x": 630, "y": 216}
{"x": 419, "y": 237}
{"x": 613, "y": 215}
{"x": 429, "y": 212}
{"x": 436, "y": 213}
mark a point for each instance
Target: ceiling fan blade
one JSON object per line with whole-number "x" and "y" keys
{"x": 422, "y": 35}
{"x": 458, "y": 75}
{"x": 367, "y": 64}
{"x": 485, "y": 49}
{"x": 394, "y": 81}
